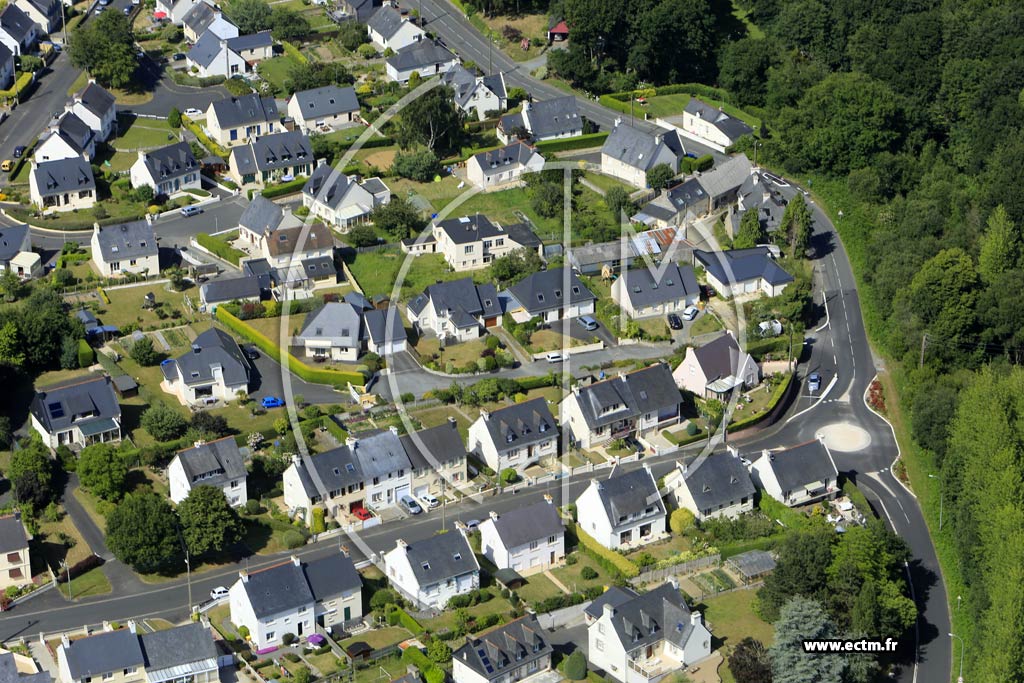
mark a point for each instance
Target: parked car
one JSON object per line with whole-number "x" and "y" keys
{"x": 814, "y": 383}
{"x": 180, "y": 57}
{"x": 7, "y": 166}
{"x": 473, "y": 524}
{"x": 251, "y": 352}
{"x": 410, "y": 505}
{"x": 187, "y": 211}
{"x": 554, "y": 357}
{"x": 587, "y": 322}
{"x": 429, "y": 501}
{"x": 271, "y": 402}
{"x": 192, "y": 113}
{"x": 218, "y": 593}
{"x": 690, "y": 312}
{"x": 127, "y": 11}
{"x": 362, "y": 514}
{"x": 18, "y": 151}
{"x": 674, "y": 322}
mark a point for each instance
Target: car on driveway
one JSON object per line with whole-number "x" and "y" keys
{"x": 674, "y": 322}
{"x": 218, "y": 593}
{"x": 272, "y": 402}
{"x": 587, "y": 322}
{"x": 180, "y": 57}
{"x": 814, "y": 383}
{"x": 362, "y": 514}
{"x": 192, "y": 113}
{"x": 429, "y": 501}
{"x": 410, "y": 505}
{"x": 251, "y": 352}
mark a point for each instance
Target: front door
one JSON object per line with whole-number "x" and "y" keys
{"x": 650, "y": 651}
{"x": 298, "y": 629}
{"x": 348, "y": 613}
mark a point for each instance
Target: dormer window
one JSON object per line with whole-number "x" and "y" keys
{"x": 457, "y": 557}
{"x": 426, "y": 566}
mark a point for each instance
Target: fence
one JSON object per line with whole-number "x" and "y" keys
{"x": 376, "y": 248}
{"x": 691, "y": 567}
{"x": 561, "y": 618}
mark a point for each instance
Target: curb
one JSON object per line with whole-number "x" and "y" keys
{"x": 899, "y": 451}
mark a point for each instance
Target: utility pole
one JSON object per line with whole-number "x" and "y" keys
{"x": 924, "y": 342}
{"x": 188, "y": 573}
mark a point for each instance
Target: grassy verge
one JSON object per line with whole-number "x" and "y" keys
{"x": 93, "y": 582}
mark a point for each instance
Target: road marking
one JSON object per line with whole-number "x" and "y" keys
{"x": 831, "y": 384}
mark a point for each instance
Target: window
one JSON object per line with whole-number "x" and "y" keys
{"x": 109, "y": 675}
{"x": 533, "y": 545}
{"x": 270, "y": 635}
{"x": 302, "y": 610}
{"x": 468, "y": 249}
{"x": 132, "y": 262}
{"x": 14, "y": 557}
{"x": 599, "y": 644}
{"x": 551, "y": 539}
{"x": 376, "y": 480}
{"x": 129, "y": 671}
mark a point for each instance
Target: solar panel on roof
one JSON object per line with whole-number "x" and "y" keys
{"x": 56, "y": 410}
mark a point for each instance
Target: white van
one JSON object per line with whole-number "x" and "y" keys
{"x": 553, "y": 357}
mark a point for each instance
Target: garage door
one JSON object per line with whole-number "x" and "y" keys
{"x": 750, "y": 286}
{"x": 401, "y": 491}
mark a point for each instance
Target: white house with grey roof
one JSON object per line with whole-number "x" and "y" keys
{"x": 424, "y": 57}
{"x": 642, "y": 638}
{"x": 236, "y": 120}
{"x": 432, "y": 571}
{"x": 388, "y": 29}
{"x": 499, "y": 169}
{"x": 213, "y": 55}
{"x": 716, "y": 486}
{"x": 649, "y": 292}
{"x": 515, "y": 652}
{"x": 528, "y": 539}
{"x": 15, "y": 564}
{"x": 16, "y": 252}
{"x": 550, "y": 295}
{"x": 126, "y": 248}
{"x": 438, "y": 459}
{"x": 709, "y": 125}
{"x": 77, "y": 413}
{"x": 110, "y": 655}
{"x": 324, "y": 109}
{"x": 95, "y": 106}
{"x": 516, "y": 436}
{"x": 717, "y": 368}
{"x": 17, "y": 31}
{"x": 62, "y": 185}
{"x": 476, "y": 95}
{"x": 279, "y": 157}
{"x": 202, "y": 18}
{"x": 168, "y": 170}
{"x": 332, "y": 331}
{"x": 798, "y": 475}
{"x": 623, "y": 511}
{"x": 759, "y": 195}
{"x": 543, "y": 120}
{"x": 216, "y": 463}
{"x": 679, "y": 205}
{"x": 214, "y": 369}
{"x": 631, "y": 404}
{"x": 723, "y": 182}
{"x": 295, "y": 597}
{"x": 459, "y": 310}
{"x": 738, "y": 272}
{"x": 17, "y": 668}
{"x": 223, "y": 290}
{"x": 46, "y": 13}
{"x": 66, "y": 137}
{"x": 177, "y": 10}
{"x": 629, "y": 153}
{"x": 340, "y": 200}
{"x": 472, "y": 242}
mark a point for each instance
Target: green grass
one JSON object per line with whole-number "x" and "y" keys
{"x": 733, "y": 618}
{"x": 275, "y": 71}
{"x": 673, "y": 105}
{"x": 460, "y": 355}
{"x": 753, "y": 30}
{"x": 537, "y": 588}
{"x": 705, "y": 324}
{"x": 140, "y": 132}
{"x": 126, "y": 307}
{"x": 570, "y": 577}
{"x": 447, "y": 620}
{"x": 438, "y": 415}
{"x": 380, "y": 638}
{"x": 327, "y": 663}
{"x": 376, "y": 272}
{"x": 505, "y": 206}
{"x": 93, "y": 582}
{"x": 606, "y": 182}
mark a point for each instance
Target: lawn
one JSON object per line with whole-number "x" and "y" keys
{"x": 49, "y": 540}
{"x": 659, "y": 551}
{"x": 459, "y": 355}
{"x": 380, "y": 638}
{"x": 271, "y": 327}
{"x": 733, "y": 618}
{"x": 125, "y": 307}
{"x": 438, "y": 415}
{"x": 606, "y": 182}
{"x": 513, "y": 206}
{"x": 448, "y": 619}
{"x": 673, "y": 105}
{"x": 537, "y": 588}
{"x": 705, "y": 324}
{"x": 136, "y": 132}
{"x": 93, "y": 582}
{"x": 439, "y": 194}
{"x": 393, "y": 668}
{"x": 530, "y": 25}
{"x": 376, "y": 272}
{"x": 549, "y": 340}
{"x": 326, "y": 664}
{"x": 569, "y": 575}
{"x": 275, "y": 71}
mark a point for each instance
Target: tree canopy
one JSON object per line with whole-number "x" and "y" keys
{"x": 142, "y": 532}
{"x": 102, "y": 471}
{"x": 208, "y": 522}
{"x": 105, "y": 47}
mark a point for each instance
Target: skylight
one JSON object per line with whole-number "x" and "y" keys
{"x": 56, "y": 410}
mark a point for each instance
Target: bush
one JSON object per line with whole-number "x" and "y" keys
{"x": 318, "y": 526}
{"x": 568, "y": 144}
{"x": 609, "y": 560}
{"x": 293, "y": 539}
{"x": 575, "y": 666}
{"x": 509, "y": 476}
{"x": 86, "y": 356}
{"x": 288, "y": 638}
{"x": 588, "y": 573}
{"x": 244, "y": 632}
{"x": 144, "y": 353}
{"x": 384, "y": 597}
{"x": 281, "y": 189}
{"x": 681, "y": 522}
{"x": 219, "y": 248}
{"x": 174, "y": 118}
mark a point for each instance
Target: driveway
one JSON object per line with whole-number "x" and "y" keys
{"x": 576, "y": 331}
{"x": 269, "y": 381}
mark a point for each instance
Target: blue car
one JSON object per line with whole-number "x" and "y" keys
{"x": 272, "y": 402}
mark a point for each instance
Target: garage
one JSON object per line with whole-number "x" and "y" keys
{"x": 401, "y": 491}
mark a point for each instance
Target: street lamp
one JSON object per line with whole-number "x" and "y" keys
{"x": 960, "y": 678}
{"x": 64, "y": 565}
{"x": 941, "y": 497}
{"x": 188, "y": 574}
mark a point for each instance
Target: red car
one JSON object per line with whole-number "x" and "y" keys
{"x": 362, "y": 513}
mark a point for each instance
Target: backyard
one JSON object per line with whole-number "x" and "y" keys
{"x": 571, "y": 574}
{"x": 533, "y": 27}
{"x": 732, "y": 617}
{"x": 376, "y": 272}
{"x": 458, "y": 355}
{"x": 275, "y": 71}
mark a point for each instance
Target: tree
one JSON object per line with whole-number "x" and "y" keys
{"x": 796, "y": 226}
{"x": 361, "y": 236}
{"x": 515, "y": 265}
{"x": 751, "y": 232}
{"x": 546, "y": 196}
{"x": 439, "y": 652}
{"x": 749, "y": 662}
{"x": 942, "y": 296}
{"x": 31, "y": 472}
{"x": 682, "y": 522}
{"x": 576, "y": 666}
{"x": 618, "y": 202}
{"x": 398, "y": 218}
{"x": 421, "y": 166}
{"x": 176, "y": 275}
{"x": 802, "y": 619}
{"x": 142, "y": 532}
{"x": 208, "y": 523}
{"x": 744, "y": 69}
{"x": 163, "y": 422}
{"x": 209, "y": 426}
{"x": 174, "y": 118}
{"x": 288, "y": 25}
{"x": 800, "y": 571}
{"x": 42, "y": 325}
{"x": 102, "y": 471}
{"x": 105, "y": 47}
{"x": 317, "y": 75}
{"x": 303, "y": 675}
{"x": 660, "y": 176}
{"x": 10, "y": 285}
{"x": 69, "y": 353}
{"x": 431, "y": 120}
{"x": 250, "y": 16}
{"x": 352, "y": 34}
{"x": 1000, "y": 246}
{"x": 10, "y": 344}
{"x": 144, "y": 353}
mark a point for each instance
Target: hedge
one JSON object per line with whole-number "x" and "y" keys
{"x": 334, "y": 429}
{"x": 294, "y": 53}
{"x": 568, "y": 144}
{"x": 182, "y": 78}
{"x": 86, "y": 356}
{"x": 76, "y": 257}
{"x": 219, "y": 247}
{"x": 19, "y": 86}
{"x": 400, "y": 616}
{"x": 609, "y": 560}
{"x": 758, "y": 348}
{"x": 619, "y": 101}
{"x": 290, "y": 187}
{"x": 688, "y": 165}
{"x": 537, "y": 382}
{"x": 336, "y": 378}
{"x": 204, "y": 139}
{"x": 777, "y": 395}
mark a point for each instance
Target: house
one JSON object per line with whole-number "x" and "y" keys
{"x": 558, "y": 30}
{"x": 96, "y": 108}
{"x": 594, "y": 259}
{"x": 526, "y": 539}
{"x": 277, "y": 234}
{"x": 359, "y": 10}
{"x": 235, "y": 120}
{"x": 279, "y": 157}
{"x": 17, "y": 31}
{"x": 459, "y": 309}
{"x": 758, "y": 194}
{"x": 623, "y": 511}
{"x": 341, "y": 200}
{"x": 16, "y": 252}
{"x": 6, "y": 67}
{"x": 212, "y": 56}
{"x": 641, "y": 638}
{"x": 168, "y": 170}
{"x": 18, "y": 668}
{"x": 629, "y": 153}
{"x": 77, "y": 413}
{"x": 332, "y": 331}
{"x": 202, "y": 18}
{"x": 424, "y": 57}
{"x": 517, "y": 651}
{"x": 383, "y": 332}
{"x": 241, "y": 289}
{"x": 216, "y": 463}
{"x": 799, "y": 475}
{"x": 631, "y": 404}
{"x": 649, "y": 292}
{"x": 544, "y": 120}
{"x": 743, "y": 271}
{"x": 540, "y": 295}
{"x": 476, "y": 95}
{"x": 499, "y": 169}
{"x": 432, "y": 571}
{"x": 295, "y": 597}
{"x": 472, "y": 242}
{"x": 62, "y": 185}
{"x": 67, "y": 137}
{"x": 15, "y": 567}
{"x": 389, "y": 30}
{"x": 47, "y": 13}
{"x": 253, "y": 48}
{"x": 516, "y": 436}
{"x": 385, "y": 467}
{"x": 213, "y": 370}
{"x": 723, "y": 182}
{"x": 175, "y": 11}
{"x": 716, "y": 486}
{"x": 126, "y": 248}
{"x": 716, "y": 368}
{"x": 438, "y": 459}
{"x": 711, "y": 125}
{"x": 679, "y": 205}
{"x": 324, "y": 109}
{"x": 186, "y": 649}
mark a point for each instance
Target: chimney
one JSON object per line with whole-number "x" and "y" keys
{"x": 352, "y": 442}
{"x": 143, "y": 155}
{"x": 296, "y": 561}
{"x": 244, "y": 576}
{"x": 296, "y": 459}
{"x": 674, "y": 582}
{"x": 401, "y": 544}
{"x": 695, "y": 618}
{"x": 223, "y": 43}
{"x": 733, "y": 451}
{"x": 68, "y": 107}
{"x": 92, "y": 81}
{"x": 197, "y": 444}
{"x": 131, "y": 626}
{"x": 494, "y": 515}
{"x": 106, "y": 627}
{"x": 321, "y": 162}
{"x": 622, "y": 376}
{"x": 485, "y": 415}
{"x": 452, "y": 423}
{"x": 65, "y": 641}
{"x": 548, "y": 499}
{"x": 394, "y": 430}
{"x": 216, "y": 14}
{"x": 608, "y": 610}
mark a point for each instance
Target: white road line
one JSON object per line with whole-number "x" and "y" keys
{"x": 831, "y": 384}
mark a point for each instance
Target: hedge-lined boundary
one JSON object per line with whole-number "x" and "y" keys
{"x": 569, "y": 144}
{"x": 290, "y": 187}
{"x": 399, "y": 616}
{"x": 294, "y": 53}
{"x": 336, "y": 378}
{"x": 619, "y": 101}
{"x": 334, "y": 429}
{"x": 777, "y": 395}
{"x": 23, "y": 81}
{"x": 220, "y": 248}
{"x": 431, "y": 671}
{"x": 204, "y": 139}
{"x": 612, "y": 562}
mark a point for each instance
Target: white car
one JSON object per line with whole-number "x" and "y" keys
{"x": 192, "y": 113}
{"x": 689, "y": 313}
{"x": 218, "y": 593}
{"x": 429, "y": 501}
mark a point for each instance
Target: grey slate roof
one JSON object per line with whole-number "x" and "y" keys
{"x": 199, "y": 18}
{"x": 801, "y": 465}
{"x": 326, "y": 101}
{"x": 213, "y": 463}
{"x": 726, "y": 177}
{"x": 521, "y": 424}
{"x": 331, "y": 470}
{"x": 660, "y": 614}
{"x": 64, "y": 175}
{"x": 375, "y": 186}
{"x": 648, "y": 390}
{"x": 230, "y": 289}
{"x": 420, "y": 54}
{"x": 672, "y": 283}
{"x": 338, "y": 323}
{"x": 9, "y": 672}
{"x": 719, "y": 479}
{"x": 604, "y": 252}
{"x": 261, "y": 216}
{"x": 519, "y": 526}
{"x": 464, "y": 83}
{"x": 272, "y": 152}
{"x": 15, "y": 22}
{"x": 277, "y": 589}
{"x": 688, "y": 195}
{"x": 614, "y": 596}
{"x": 48, "y": 8}
{"x": 496, "y": 84}
{"x": 103, "y": 653}
{"x": 328, "y": 186}
{"x": 213, "y": 347}
{"x": 386, "y": 21}
{"x": 331, "y": 576}
{"x": 494, "y": 654}
{"x": 176, "y": 646}
{"x": 474, "y": 300}
{"x": 632, "y": 493}
{"x": 56, "y": 407}
{"x": 640, "y": 149}
{"x": 250, "y": 41}
{"x": 378, "y": 453}
{"x": 358, "y": 300}
{"x": 205, "y": 51}
{"x": 548, "y": 118}
{"x": 742, "y": 265}
{"x": 127, "y": 241}
{"x": 498, "y": 160}
{"x": 172, "y": 161}
{"x": 12, "y": 534}
{"x": 11, "y": 239}
{"x": 232, "y": 112}
{"x": 383, "y": 326}
{"x": 468, "y": 229}
{"x": 542, "y": 291}
{"x": 97, "y": 99}
{"x": 732, "y": 127}
{"x": 441, "y": 443}
{"x": 319, "y": 266}
{"x": 441, "y": 557}
{"x": 6, "y": 57}
{"x": 719, "y": 357}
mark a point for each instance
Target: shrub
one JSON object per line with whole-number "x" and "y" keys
{"x": 244, "y": 632}
{"x": 291, "y": 656}
{"x": 609, "y": 560}
{"x": 384, "y": 597}
{"x": 681, "y": 522}
{"x": 509, "y": 476}
{"x": 588, "y": 573}
{"x": 293, "y": 539}
{"x": 318, "y": 526}
{"x": 174, "y": 118}
{"x": 576, "y": 666}
{"x": 86, "y": 356}
{"x": 288, "y": 638}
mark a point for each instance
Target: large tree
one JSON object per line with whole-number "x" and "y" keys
{"x": 208, "y": 523}
{"x": 163, "y": 422}
{"x": 1000, "y": 246}
{"x": 102, "y": 471}
{"x": 250, "y": 16}
{"x": 43, "y": 324}
{"x": 751, "y": 232}
{"x": 286, "y": 24}
{"x": 317, "y": 75}
{"x": 31, "y": 473}
{"x": 803, "y": 619}
{"x": 142, "y": 532}
{"x": 516, "y": 265}
{"x": 803, "y": 557}
{"x": 431, "y": 120}
{"x": 749, "y": 662}
{"x": 105, "y": 47}
{"x": 398, "y": 218}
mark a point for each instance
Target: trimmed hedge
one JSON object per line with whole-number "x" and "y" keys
{"x": 537, "y": 382}
{"x": 569, "y": 144}
{"x": 615, "y": 564}
{"x": 204, "y": 139}
{"x": 399, "y": 616}
{"x": 335, "y": 378}
{"x": 64, "y": 259}
{"x": 86, "y": 356}
{"x": 19, "y": 86}
{"x": 291, "y": 187}
{"x": 777, "y": 395}
{"x": 220, "y": 248}
{"x": 758, "y": 348}
{"x": 619, "y": 101}
{"x": 334, "y": 429}
{"x": 294, "y": 53}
